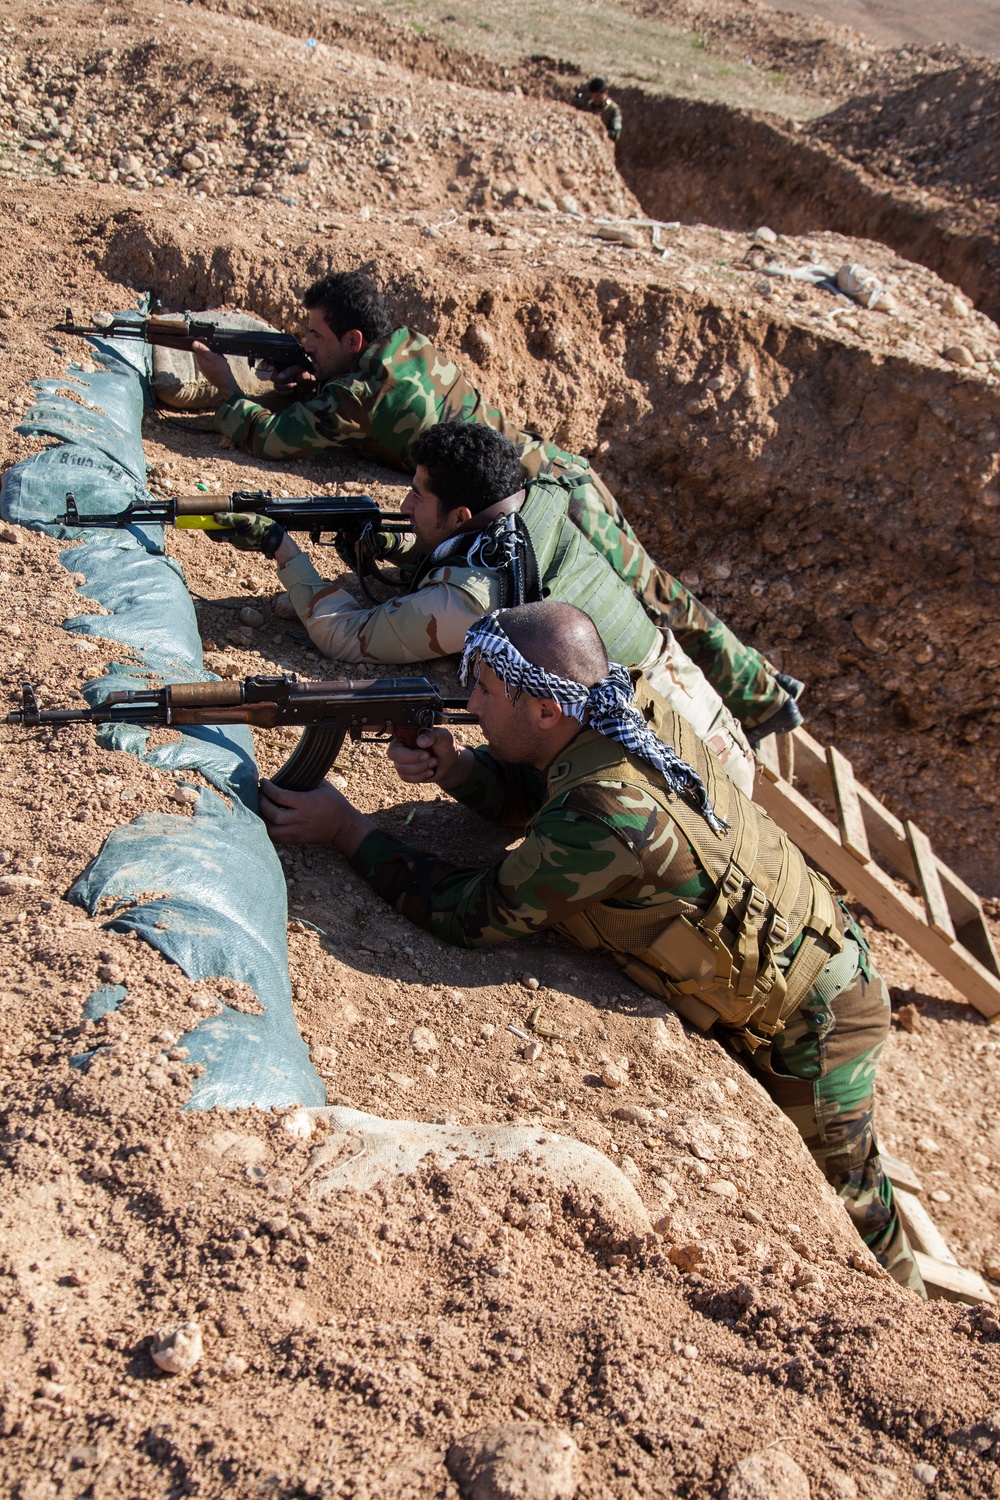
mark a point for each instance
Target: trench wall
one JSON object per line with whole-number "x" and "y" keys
{"x": 839, "y": 510}
{"x": 707, "y": 163}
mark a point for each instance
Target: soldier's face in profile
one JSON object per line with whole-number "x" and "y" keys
{"x": 515, "y": 732}
{"x": 331, "y": 354}
{"x": 431, "y": 523}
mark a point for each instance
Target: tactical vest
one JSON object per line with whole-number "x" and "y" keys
{"x": 717, "y": 965}
{"x": 571, "y": 570}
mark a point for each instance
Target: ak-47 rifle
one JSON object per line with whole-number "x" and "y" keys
{"x": 377, "y": 710}
{"x": 181, "y": 331}
{"x": 353, "y": 515}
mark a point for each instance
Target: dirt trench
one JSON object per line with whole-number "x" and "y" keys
{"x": 838, "y": 508}
{"x": 708, "y": 163}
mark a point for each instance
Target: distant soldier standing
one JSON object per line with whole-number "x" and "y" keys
{"x": 596, "y": 100}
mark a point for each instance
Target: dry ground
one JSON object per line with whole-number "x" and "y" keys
{"x": 350, "y": 1339}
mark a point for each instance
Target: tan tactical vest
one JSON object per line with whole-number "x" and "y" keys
{"x": 717, "y": 965}
{"x": 573, "y": 572}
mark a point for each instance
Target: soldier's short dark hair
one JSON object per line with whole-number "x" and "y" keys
{"x": 558, "y": 638}
{"x": 350, "y": 299}
{"x": 468, "y": 465}
{"x": 597, "y": 86}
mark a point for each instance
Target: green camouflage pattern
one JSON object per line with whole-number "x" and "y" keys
{"x": 613, "y": 845}
{"x": 401, "y": 387}
{"x": 610, "y": 115}
{"x": 821, "y": 1072}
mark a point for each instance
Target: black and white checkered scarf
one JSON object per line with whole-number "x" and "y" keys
{"x": 607, "y": 707}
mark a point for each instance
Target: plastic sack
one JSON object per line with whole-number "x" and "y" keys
{"x": 222, "y": 911}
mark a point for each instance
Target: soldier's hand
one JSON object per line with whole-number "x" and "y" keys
{"x": 248, "y": 532}
{"x": 215, "y": 368}
{"x": 435, "y": 758}
{"x": 322, "y": 816}
{"x": 292, "y": 380}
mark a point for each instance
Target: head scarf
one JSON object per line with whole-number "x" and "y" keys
{"x": 607, "y": 707}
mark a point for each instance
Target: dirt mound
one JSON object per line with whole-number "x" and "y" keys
{"x": 817, "y": 55}
{"x": 942, "y": 133}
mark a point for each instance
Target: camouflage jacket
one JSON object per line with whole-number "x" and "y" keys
{"x": 401, "y": 387}
{"x": 611, "y": 116}
{"x": 593, "y": 844}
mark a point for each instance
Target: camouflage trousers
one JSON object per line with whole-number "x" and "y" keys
{"x": 821, "y": 1074}
{"x": 672, "y": 674}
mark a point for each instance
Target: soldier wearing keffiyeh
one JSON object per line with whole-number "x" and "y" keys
{"x": 637, "y": 845}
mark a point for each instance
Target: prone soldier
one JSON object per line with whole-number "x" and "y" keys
{"x": 637, "y": 847}
{"x": 483, "y": 539}
{"x": 376, "y": 390}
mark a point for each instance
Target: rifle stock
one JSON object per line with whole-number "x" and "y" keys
{"x": 375, "y": 710}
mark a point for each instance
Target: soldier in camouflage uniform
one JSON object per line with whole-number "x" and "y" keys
{"x": 596, "y": 100}
{"x": 654, "y": 858}
{"x": 481, "y": 541}
{"x": 379, "y": 389}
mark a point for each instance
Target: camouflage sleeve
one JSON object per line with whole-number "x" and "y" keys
{"x": 740, "y": 675}
{"x": 612, "y": 117}
{"x": 566, "y": 863}
{"x": 339, "y": 414}
{"x": 501, "y": 793}
{"x": 414, "y": 627}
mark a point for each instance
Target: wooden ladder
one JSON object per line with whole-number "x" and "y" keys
{"x": 946, "y": 926}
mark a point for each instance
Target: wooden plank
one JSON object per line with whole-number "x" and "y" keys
{"x": 900, "y": 1173}
{"x": 888, "y": 904}
{"x": 848, "y": 805}
{"x": 921, "y": 1230}
{"x": 887, "y": 839}
{"x": 953, "y": 1283}
{"x": 930, "y": 882}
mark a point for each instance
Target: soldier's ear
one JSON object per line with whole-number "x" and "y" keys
{"x": 354, "y": 340}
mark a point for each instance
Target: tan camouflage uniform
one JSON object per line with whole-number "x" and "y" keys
{"x": 450, "y": 596}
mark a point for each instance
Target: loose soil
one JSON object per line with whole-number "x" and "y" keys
{"x": 826, "y": 480}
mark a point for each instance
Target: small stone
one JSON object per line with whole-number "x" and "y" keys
{"x": 423, "y": 1041}
{"x": 221, "y": 665}
{"x": 187, "y": 796}
{"x": 8, "y": 535}
{"x": 925, "y": 1473}
{"x": 908, "y": 1018}
{"x": 925, "y": 1143}
{"x": 369, "y": 121}
{"x": 284, "y": 608}
{"x": 956, "y": 305}
{"x": 960, "y": 355}
{"x": 111, "y": 973}
{"x": 770, "y": 1475}
{"x": 723, "y": 1188}
{"x": 690, "y": 1351}
{"x": 530, "y": 982}
{"x": 401, "y": 1080}
{"x": 515, "y": 1461}
{"x": 532, "y": 1052}
{"x": 992, "y": 1270}
{"x": 939, "y": 1195}
{"x": 234, "y": 1367}
{"x": 252, "y": 617}
{"x": 634, "y": 1114}
{"x": 177, "y": 1349}
{"x": 192, "y": 161}
{"x": 298, "y": 1124}
{"x": 686, "y": 1256}
{"x": 11, "y": 885}
{"x": 568, "y": 204}
{"x": 612, "y": 1076}
{"x": 547, "y": 205}
{"x": 765, "y": 236}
